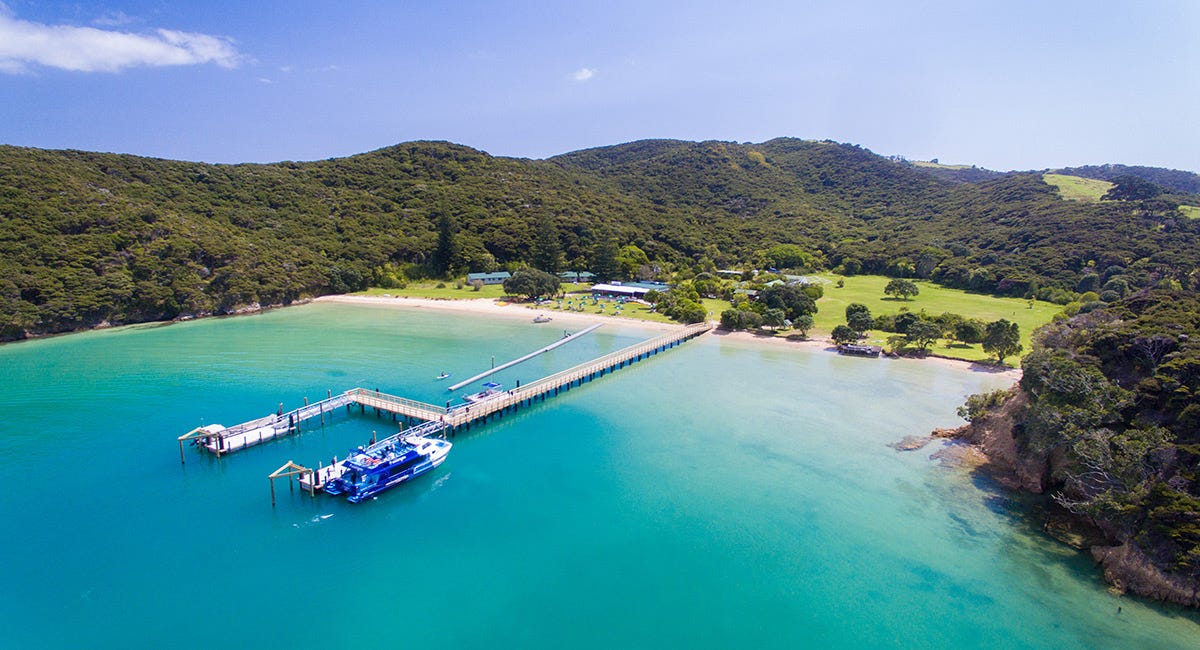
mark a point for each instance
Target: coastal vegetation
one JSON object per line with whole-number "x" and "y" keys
{"x": 93, "y": 238}
{"x": 1106, "y": 419}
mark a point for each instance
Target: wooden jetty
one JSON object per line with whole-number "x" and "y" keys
{"x": 564, "y": 340}
{"x": 436, "y": 420}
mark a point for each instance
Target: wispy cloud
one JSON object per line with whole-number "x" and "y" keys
{"x": 87, "y": 49}
{"x": 113, "y": 19}
{"x": 583, "y": 74}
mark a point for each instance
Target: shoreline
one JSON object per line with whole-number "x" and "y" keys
{"x": 515, "y": 311}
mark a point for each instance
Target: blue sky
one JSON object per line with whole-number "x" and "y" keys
{"x": 1005, "y": 85}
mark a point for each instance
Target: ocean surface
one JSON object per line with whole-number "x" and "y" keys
{"x": 721, "y": 494}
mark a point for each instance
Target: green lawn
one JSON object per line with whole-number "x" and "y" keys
{"x": 605, "y": 307}
{"x": 934, "y": 300}
{"x": 1190, "y": 211}
{"x": 1077, "y": 188}
{"x": 865, "y": 289}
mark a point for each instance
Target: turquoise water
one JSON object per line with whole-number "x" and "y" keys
{"x": 721, "y": 494}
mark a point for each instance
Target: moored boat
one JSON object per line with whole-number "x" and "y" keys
{"x": 490, "y": 390}
{"x": 367, "y": 472}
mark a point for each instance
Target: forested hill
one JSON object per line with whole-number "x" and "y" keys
{"x": 87, "y": 238}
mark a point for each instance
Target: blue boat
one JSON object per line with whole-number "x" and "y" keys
{"x": 367, "y": 472}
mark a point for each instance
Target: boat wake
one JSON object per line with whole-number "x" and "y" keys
{"x": 316, "y": 519}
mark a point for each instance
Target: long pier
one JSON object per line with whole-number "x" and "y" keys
{"x": 437, "y": 420}
{"x": 562, "y": 341}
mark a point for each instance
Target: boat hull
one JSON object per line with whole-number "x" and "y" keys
{"x": 434, "y": 453}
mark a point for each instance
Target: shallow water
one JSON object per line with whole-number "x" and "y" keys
{"x": 723, "y": 493}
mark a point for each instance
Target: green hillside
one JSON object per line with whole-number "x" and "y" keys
{"x": 89, "y": 238}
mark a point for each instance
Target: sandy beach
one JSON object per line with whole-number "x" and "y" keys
{"x": 490, "y": 308}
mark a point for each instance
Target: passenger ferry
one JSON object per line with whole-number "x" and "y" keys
{"x": 369, "y": 472}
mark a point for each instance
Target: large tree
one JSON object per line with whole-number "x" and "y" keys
{"x": 858, "y": 317}
{"x": 1002, "y": 338}
{"x": 970, "y": 330}
{"x": 790, "y": 298}
{"x": 532, "y": 283}
{"x": 923, "y": 334}
{"x": 547, "y": 252}
{"x": 842, "y": 335}
{"x": 604, "y": 258}
{"x": 446, "y": 252}
{"x": 901, "y": 288}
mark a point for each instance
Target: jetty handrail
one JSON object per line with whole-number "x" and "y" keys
{"x": 575, "y": 373}
{"x": 564, "y": 340}
{"x": 596, "y": 364}
{"x": 355, "y": 393}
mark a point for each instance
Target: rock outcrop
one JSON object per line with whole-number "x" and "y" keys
{"x": 1128, "y": 569}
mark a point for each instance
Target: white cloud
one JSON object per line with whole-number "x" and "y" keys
{"x": 87, "y": 49}
{"x": 583, "y": 74}
{"x": 113, "y": 19}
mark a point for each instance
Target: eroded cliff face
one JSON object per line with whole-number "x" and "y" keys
{"x": 1007, "y": 462}
{"x": 1011, "y": 464}
{"x": 1127, "y": 568}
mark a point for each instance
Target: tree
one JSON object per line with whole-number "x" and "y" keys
{"x": 547, "y": 251}
{"x": 923, "y": 334}
{"x": 790, "y": 298}
{"x": 1131, "y": 188}
{"x": 773, "y": 318}
{"x": 604, "y": 259}
{"x": 630, "y": 259}
{"x": 532, "y": 283}
{"x": 788, "y": 256}
{"x": 1002, "y": 338}
{"x": 903, "y": 321}
{"x": 447, "y": 247}
{"x": 842, "y": 335}
{"x": 803, "y": 324}
{"x": 970, "y": 330}
{"x": 858, "y": 317}
{"x": 901, "y": 288}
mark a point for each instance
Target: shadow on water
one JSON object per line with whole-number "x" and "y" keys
{"x": 1057, "y": 533}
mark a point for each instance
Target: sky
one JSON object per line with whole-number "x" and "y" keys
{"x": 1003, "y": 85}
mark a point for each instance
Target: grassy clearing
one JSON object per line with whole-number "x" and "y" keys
{"x": 1077, "y": 188}
{"x": 933, "y": 300}
{"x": 865, "y": 289}
{"x": 1190, "y": 211}
{"x": 582, "y": 303}
{"x": 923, "y": 163}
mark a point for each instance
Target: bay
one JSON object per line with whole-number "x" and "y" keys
{"x": 724, "y": 493}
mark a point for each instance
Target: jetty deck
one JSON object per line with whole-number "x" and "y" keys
{"x": 436, "y": 420}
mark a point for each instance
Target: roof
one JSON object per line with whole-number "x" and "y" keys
{"x": 621, "y": 289}
{"x": 498, "y": 275}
